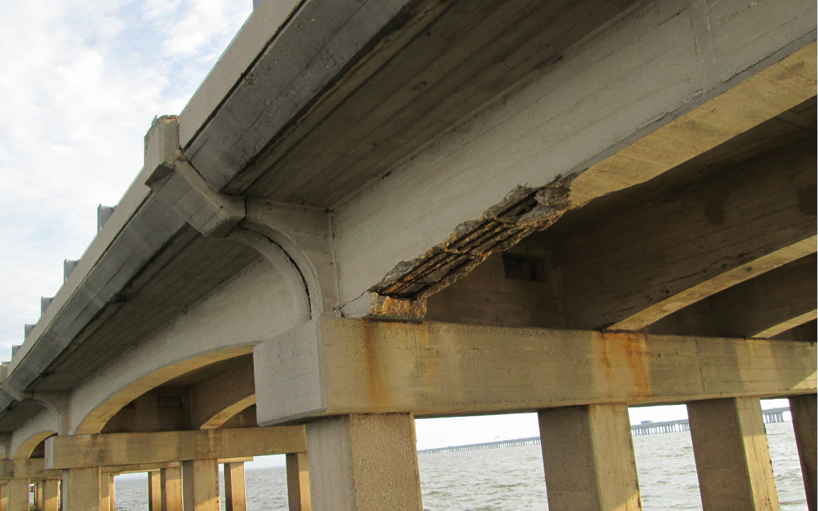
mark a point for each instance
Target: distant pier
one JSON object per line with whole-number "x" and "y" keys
{"x": 771, "y": 416}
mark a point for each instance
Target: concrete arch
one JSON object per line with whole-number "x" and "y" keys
{"x": 266, "y": 299}
{"x": 223, "y": 416}
{"x": 26, "y": 449}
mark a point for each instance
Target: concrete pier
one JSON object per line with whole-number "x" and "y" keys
{"x": 200, "y": 482}
{"x": 51, "y": 495}
{"x": 732, "y": 455}
{"x": 588, "y": 459}
{"x": 364, "y": 463}
{"x": 298, "y": 482}
{"x": 803, "y": 418}
{"x": 172, "y": 489}
{"x": 83, "y": 489}
{"x": 154, "y": 491}
{"x": 235, "y": 492}
{"x": 17, "y": 490}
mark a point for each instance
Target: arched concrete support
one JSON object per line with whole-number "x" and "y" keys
{"x": 96, "y": 420}
{"x": 215, "y": 401}
{"x": 25, "y": 439}
{"x": 256, "y": 305}
{"x": 219, "y": 419}
{"x": 26, "y": 449}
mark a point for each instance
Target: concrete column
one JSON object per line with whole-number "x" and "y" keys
{"x": 298, "y": 482}
{"x": 51, "y": 495}
{"x": 235, "y": 493}
{"x": 732, "y": 458}
{"x": 588, "y": 459}
{"x": 200, "y": 485}
{"x": 18, "y": 495}
{"x": 107, "y": 490}
{"x": 171, "y": 489}
{"x": 4, "y": 497}
{"x": 154, "y": 491}
{"x": 38, "y": 493}
{"x": 364, "y": 463}
{"x": 82, "y": 489}
{"x": 803, "y": 420}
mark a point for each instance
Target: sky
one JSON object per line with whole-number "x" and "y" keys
{"x": 81, "y": 84}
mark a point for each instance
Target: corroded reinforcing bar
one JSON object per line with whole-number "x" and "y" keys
{"x": 336, "y": 366}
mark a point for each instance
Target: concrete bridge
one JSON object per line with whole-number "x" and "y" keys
{"x": 376, "y": 210}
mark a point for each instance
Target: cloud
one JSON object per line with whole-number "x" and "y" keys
{"x": 81, "y": 83}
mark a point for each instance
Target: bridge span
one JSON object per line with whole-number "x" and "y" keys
{"x": 376, "y": 210}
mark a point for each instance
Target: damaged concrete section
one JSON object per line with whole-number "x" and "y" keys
{"x": 524, "y": 211}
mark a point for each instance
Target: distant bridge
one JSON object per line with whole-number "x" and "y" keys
{"x": 771, "y": 416}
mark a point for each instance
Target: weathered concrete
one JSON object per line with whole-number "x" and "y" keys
{"x": 107, "y": 501}
{"x": 121, "y": 448}
{"x": 761, "y": 307}
{"x": 172, "y": 489}
{"x": 258, "y": 300}
{"x": 235, "y": 491}
{"x": 336, "y": 366}
{"x": 200, "y": 481}
{"x": 605, "y": 94}
{"x": 51, "y": 495}
{"x": 298, "y": 482}
{"x": 803, "y": 419}
{"x": 154, "y": 491}
{"x": 17, "y": 490}
{"x": 83, "y": 489}
{"x": 732, "y": 457}
{"x": 364, "y": 463}
{"x": 588, "y": 458}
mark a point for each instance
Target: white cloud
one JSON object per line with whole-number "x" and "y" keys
{"x": 81, "y": 83}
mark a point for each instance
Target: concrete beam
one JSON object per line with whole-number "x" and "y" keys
{"x": 216, "y": 400}
{"x": 141, "y": 448}
{"x": 606, "y": 114}
{"x": 764, "y": 306}
{"x": 334, "y": 366}
{"x": 30, "y": 469}
{"x": 633, "y": 269}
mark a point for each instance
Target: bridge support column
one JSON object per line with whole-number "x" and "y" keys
{"x": 17, "y": 495}
{"x": 298, "y": 482}
{"x": 200, "y": 482}
{"x": 588, "y": 458}
{"x": 364, "y": 463}
{"x": 235, "y": 491}
{"x": 81, "y": 489}
{"x": 732, "y": 457}
{"x": 107, "y": 501}
{"x": 51, "y": 495}
{"x": 4, "y": 497}
{"x": 171, "y": 489}
{"x": 38, "y": 494}
{"x": 154, "y": 491}
{"x": 803, "y": 420}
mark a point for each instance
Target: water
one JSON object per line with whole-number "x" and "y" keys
{"x": 512, "y": 478}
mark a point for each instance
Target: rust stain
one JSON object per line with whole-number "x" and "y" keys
{"x": 387, "y": 308}
{"x": 632, "y": 347}
{"x": 377, "y": 392}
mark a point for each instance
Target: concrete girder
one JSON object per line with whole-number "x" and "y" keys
{"x": 336, "y": 366}
{"x": 600, "y": 145}
{"x": 645, "y": 263}
{"x": 215, "y": 401}
{"x": 764, "y": 306}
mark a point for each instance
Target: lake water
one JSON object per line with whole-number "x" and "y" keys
{"x": 511, "y": 479}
